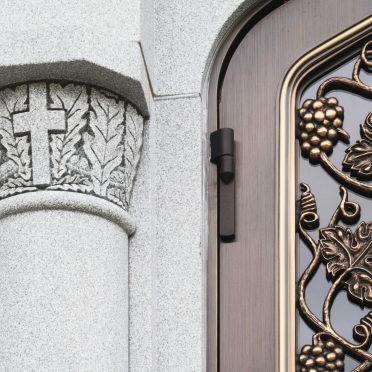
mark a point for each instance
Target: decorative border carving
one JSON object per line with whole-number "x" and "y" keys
{"x": 97, "y": 152}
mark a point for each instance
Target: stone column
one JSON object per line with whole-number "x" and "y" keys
{"x": 68, "y": 154}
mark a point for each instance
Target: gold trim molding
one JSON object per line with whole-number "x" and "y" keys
{"x": 341, "y": 46}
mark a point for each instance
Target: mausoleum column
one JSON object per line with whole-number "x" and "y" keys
{"x": 68, "y": 156}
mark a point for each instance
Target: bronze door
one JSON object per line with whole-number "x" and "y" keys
{"x": 243, "y": 303}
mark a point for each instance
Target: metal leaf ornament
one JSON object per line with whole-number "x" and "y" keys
{"x": 358, "y": 159}
{"x": 350, "y": 253}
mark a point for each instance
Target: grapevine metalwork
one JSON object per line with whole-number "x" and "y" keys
{"x": 346, "y": 253}
{"x": 320, "y": 128}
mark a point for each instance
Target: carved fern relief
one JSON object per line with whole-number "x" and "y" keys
{"x": 97, "y": 151}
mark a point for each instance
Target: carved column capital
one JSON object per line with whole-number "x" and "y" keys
{"x": 70, "y": 137}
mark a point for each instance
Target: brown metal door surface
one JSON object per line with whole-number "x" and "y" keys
{"x": 247, "y": 280}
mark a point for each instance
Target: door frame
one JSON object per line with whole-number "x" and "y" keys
{"x": 285, "y": 191}
{"x": 216, "y": 75}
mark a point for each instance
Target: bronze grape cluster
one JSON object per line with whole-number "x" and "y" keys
{"x": 323, "y": 355}
{"x": 320, "y": 127}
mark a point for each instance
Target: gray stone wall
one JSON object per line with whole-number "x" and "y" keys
{"x": 157, "y": 55}
{"x": 179, "y": 40}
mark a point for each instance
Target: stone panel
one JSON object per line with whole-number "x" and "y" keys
{"x": 178, "y": 267}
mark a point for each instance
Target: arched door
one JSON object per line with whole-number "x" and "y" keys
{"x": 257, "y": 319}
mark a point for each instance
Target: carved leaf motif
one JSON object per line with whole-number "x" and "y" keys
{"x": 72, "y": 183}
{"x": 344, "y": 250}
{"x": 16, "y": 186}
{"x": 358, "y": 158}
{"x": 97, "y": 154}
{"x": 121, "y": 180}
{"x": 7, "y": 169}
{"x": 74, "y": 100}
{"x": 103, "y": 146}
{"x": 133, "y": 143}
{"x": 17, "y": 148}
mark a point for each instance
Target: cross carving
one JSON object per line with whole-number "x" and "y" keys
{"x": 37, "y": 122}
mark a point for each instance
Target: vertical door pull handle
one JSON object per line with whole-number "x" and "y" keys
{"x": 223, "y": 155}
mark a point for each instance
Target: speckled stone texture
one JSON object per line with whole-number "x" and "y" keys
{"x": 166, "y": 253}
{"x": 179, "y": 40}
{"x": 141, "y": 262}
{"x": 126, "y": 46}
{"x": 185, "y": 37}
{"x": 63, "y": 293}
{"x": 95, "y": 42}
{"x": 178, "y": 225}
